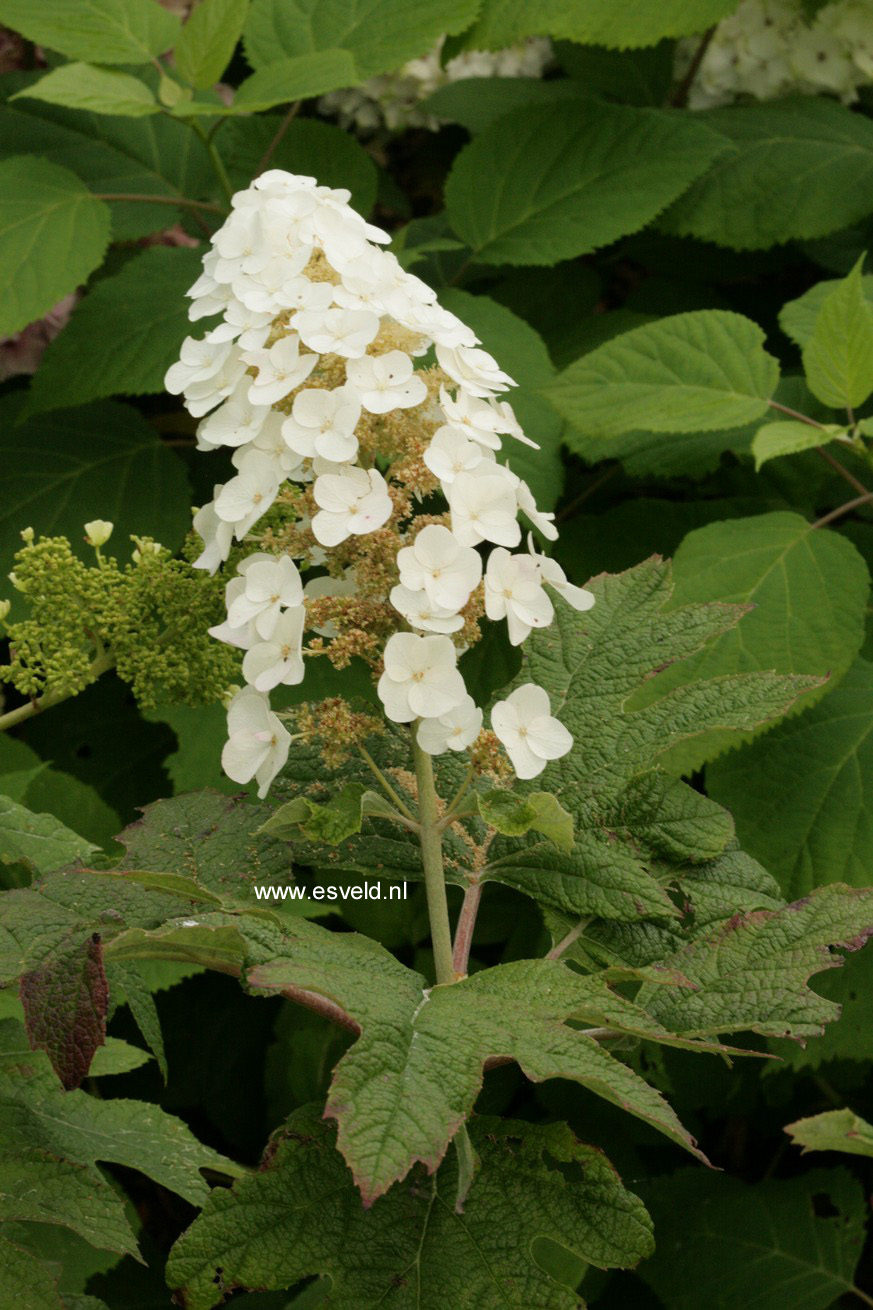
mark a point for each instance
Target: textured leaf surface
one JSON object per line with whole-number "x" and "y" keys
{"x": 581, "y": 176}
{"x": 751, "y": 972}
{"x": 851, "y": 988}
{"x": 721, "y": 1242}
{"x": 380, "y": 34}
{"x": 34, "y": 1188}
{"x": 82, "y": 86}
{"x": 795, "y": 169}
{"x": 838, "y": 358}
{"x": 597, "y": 22}
{"x": 803, "y": 795}
{"x": 107, "y": 31}
{"x": 27, "y": 1280}
{"x": 65, "y": 1003}
{"x": 37, "y": 1115}
{"x": 208, "y": 40}
{"x": 184, "y": 855}
{"x": 809, "y": 589}
{"x": 53, "y": 233}
{"x": 687, "y": 373}
{"x": 833, "y": 1130}
{"x": 39, "y": 839}
{"x": 141, "y": 312}
{"x": 100, "y": 461}
{"x": 636, "y": 830}
{"x": 299, "y": 1215}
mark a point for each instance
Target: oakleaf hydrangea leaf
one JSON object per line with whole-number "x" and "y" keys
{"x": 833, "y": 1130}
{"x": 37, "y": 1115}
{"x": 751, "y": 972}
{"x": 300, "y": 1215}
{"x": 635, "y": 828}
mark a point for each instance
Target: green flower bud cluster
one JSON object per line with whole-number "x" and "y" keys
{"x": 147, "y": 619}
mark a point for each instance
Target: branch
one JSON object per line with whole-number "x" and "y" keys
{"x": 12, "y": 718}
{"x": 844, "y": 509}
{"x": 182, "y": 201}
{"x": 271, "y": 149}
{"x": 679, "y": 97}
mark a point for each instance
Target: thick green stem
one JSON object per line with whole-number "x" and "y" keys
{"x": 12, "y": 718}
{"x": 432, "y": 862}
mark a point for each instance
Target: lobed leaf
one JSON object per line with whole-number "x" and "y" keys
{"x": 299, "y": 1215}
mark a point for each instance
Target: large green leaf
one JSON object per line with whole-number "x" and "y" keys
{"x": 723, "y": 1243}
{"x": 209, "y": 39}
{"x": 99, "y": 461}
{"x": 103, "y": 91}
{"x": 535, "y": 1181}
{"x": 543, "y": 185}
{"x": 30, "y": 1284}
{"x": 597, "y": 22}
{"x": 38, "y": 1116}
{"x": 795, "y": 169}
{"x": 636, "y": 831}
{"x": 751, "y": 972}
{"x": 146, "y": 156}
{"x": 851, "y": 988}
{"x": 53, "y": 233}
{"x": 691, "y": 372}
{"x": 140, "y": 313}
{"x": 838, "y": 358}
{"x": 308, "y": 146}
{"x": 809, "y": 591}
{"x": 106, "y": 31}
{"x": 803, "y": 795}
{"x": 524, "y": 357}
{"x": 380, "y": 34}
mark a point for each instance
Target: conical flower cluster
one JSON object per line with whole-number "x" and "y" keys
{"x": 386, "y": 523}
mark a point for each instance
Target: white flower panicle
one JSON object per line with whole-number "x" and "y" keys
{"x": 394, "y": 100}
{"x": 773, "y": 48}
{"x": 342, "y": 447}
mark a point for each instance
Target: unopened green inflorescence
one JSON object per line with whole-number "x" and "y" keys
{"x": 146, "y": 619}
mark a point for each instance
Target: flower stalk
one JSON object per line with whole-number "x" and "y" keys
{"x": 432, "y": 864}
